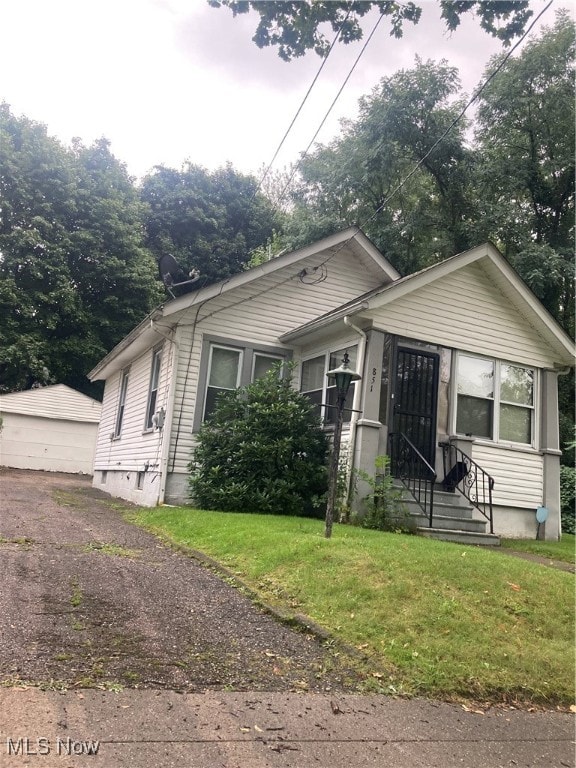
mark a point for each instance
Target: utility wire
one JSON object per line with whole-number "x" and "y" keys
{"x": 459, "y": 117}
{"x": 348, "y": 76}
{"x": 324, "y": 60}
{"x": 456, "y": 120}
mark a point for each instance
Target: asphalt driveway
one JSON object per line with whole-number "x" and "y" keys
{"x": 117, "y": 651}
{"x": 89, "y": 600}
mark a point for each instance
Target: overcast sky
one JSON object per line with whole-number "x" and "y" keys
{"x": 173, "y": 80}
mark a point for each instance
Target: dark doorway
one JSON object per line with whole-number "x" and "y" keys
{"x": 415, "y": 399}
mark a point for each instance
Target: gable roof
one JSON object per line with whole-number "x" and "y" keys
{"x": 53, "y": 402}
{"x": 498, "y": 269}
{"x": 146, "y": 334}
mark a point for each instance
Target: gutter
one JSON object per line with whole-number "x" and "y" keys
{"x": 356, "y": 403}
{"x": 126, "y": 341}
{"x": 167, "y": 428}
{"x": 324, "y": 322}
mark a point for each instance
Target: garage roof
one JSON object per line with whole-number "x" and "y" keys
{"x": 54, "y": 402}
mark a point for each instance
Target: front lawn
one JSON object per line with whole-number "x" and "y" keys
{"x": 554, "y": 550}
{"x": 433, "y": 619}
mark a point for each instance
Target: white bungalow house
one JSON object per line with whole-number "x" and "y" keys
{"x": 459, "y": 366}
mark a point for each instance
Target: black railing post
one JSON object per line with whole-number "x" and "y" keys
{"x": 462, "y": 473}
{"x": 415, "y": 473}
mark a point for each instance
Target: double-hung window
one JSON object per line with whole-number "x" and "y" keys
{"x": 153, "y": 390}
{"x": 121, "y": 402}
{"x": 232, "y": 367}
{"x": 495, "y": 400}
{"x": 322, "y": 392}
{"x": 224, "y": 371}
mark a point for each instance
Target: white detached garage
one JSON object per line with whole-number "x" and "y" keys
{"x": 50, "y": 428}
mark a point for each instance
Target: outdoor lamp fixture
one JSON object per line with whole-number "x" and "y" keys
{"x": 343, "y": 376}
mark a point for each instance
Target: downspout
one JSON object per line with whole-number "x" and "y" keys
{"x": 167, "y": 426}
{"x": 356, "y": 403}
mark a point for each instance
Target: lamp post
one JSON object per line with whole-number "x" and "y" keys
{"x": 343, "y": 376}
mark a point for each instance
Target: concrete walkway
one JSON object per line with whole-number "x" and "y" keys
{"x": 141, "y": 729}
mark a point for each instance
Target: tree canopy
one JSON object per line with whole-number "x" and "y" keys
{"x": 209, "y": 221}
{"x": 296, "y": 27}
{"x": 74, "y": 276}
{"x": 79, "y": 242}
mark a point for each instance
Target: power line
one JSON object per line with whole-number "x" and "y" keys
{"x": 458, "y": 118}
{"x": 324, "y": 60}
{"x": 348, "y": 76}
{"x": 477, "y": 93}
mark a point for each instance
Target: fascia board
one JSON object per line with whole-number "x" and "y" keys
{"x": 544, "y": 322}
{"x": 377, "y": 257}
{"x": 138, "y": 334}
{"x": 224, "y": 286}
{"x": 322, "y": 323}
{"x": 280, "y": 262}
{"x": 428, "y": 275}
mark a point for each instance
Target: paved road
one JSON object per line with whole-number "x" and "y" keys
{"x": 138, "y": 649}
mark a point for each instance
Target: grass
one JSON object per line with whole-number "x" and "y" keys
{"x": 433, "y": 619}
{"x": 564, "y": 550}
{"x": 76, "y": 596}
{"x": 114, "y": 550}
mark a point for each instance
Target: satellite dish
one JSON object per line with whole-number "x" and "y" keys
{"x": 173, "y": 276}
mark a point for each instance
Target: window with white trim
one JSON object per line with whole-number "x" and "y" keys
{"x": 121, "y": 402}
{"x": 233, "y": 367}
{"x": 495, "y": 400}
{"x": 224, "y": 370}
{"x": 153, "y": 389}
{"x": 320, "y": 391}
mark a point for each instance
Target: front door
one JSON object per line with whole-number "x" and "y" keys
{"x": 415, "y": 399}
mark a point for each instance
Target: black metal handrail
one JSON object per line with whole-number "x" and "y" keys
{"x": 414, "y": 472}
{"x": 462, "y": 473}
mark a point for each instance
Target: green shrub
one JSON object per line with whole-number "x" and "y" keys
{"x": 262, "y": 450}
{"x": 384, "y": 508}
{"x": 567, "y": 498}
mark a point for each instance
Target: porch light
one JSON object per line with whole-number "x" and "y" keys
{"x": 342, "y": 376}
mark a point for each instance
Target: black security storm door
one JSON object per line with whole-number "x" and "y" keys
{"x": 415, "y": 399}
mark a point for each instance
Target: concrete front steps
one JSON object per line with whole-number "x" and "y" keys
{"x": 453, "y": 519}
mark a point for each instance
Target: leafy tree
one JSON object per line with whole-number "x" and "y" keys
{"x": 367, "y": 175}
{"x": 74, "y": 276}
{"x": 262, "y": 450}
{"x": 207, "y": 221}
{"x": 525, "y": 179}
{"x": 296, "y": 27}
{"x": 525, "y": 140}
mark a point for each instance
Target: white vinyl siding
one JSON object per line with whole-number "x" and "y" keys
{"x": 518, "y": 475}
{"x": 133, "y": 448}
{"x": 257, "y": 317}
{"x": 466, "y": 311}
{"x": 57, "y": 401}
